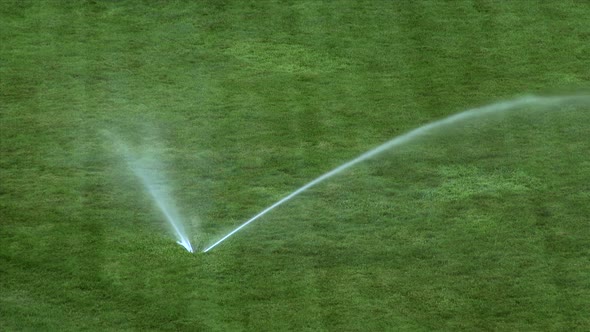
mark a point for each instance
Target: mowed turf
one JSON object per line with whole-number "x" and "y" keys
{"x": 482, "y": 226}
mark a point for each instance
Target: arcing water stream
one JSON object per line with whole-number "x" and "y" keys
{"x": 409, "y": 136}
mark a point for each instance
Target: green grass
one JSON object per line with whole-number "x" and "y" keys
{"x": 483, "y": 226}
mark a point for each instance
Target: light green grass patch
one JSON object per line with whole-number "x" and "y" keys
{"x": 260, "y": 57}
{"x": 468, "y": 182}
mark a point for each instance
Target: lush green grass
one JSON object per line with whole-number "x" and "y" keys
{"x": 483, "y": 226}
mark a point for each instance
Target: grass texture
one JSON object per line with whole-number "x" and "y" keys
{"x": 479, "y": 226}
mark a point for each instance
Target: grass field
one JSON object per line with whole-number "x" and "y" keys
{"x": 482, "y": 226}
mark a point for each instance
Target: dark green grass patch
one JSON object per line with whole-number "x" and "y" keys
{"x": 483, "y": 226}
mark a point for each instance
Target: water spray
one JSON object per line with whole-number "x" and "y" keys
{"x": 409, "y": 136}
{"x": 165, "y": 207}
{"x": 159, "y": 196}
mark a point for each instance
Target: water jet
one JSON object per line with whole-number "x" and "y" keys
{"x": 499, "y": 107}
{"x": 153, "y": 183}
